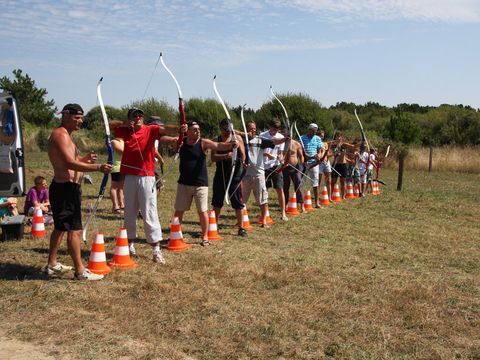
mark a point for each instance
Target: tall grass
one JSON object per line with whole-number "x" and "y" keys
{"x": 447, "y": 158}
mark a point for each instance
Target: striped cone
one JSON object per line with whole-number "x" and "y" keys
{"x": 121, "y": 256}
{"x": 307, "y": 201}
{"x": 324, "y": 197}
{"x": 336, "y": 197}
{"x": 268, "y": 219}
{"x": 212, "y": 227}
{"x": 245, "y": 220}
{"x": 38, "y": 225}
{"x": 175, "y": 240}
{"x": 356, "y": 191}
{"x": 350, "y": 194}
{"x": 97, "y": 262}
{"x": 292, "y": 205}
{"x": 375, "y": 188}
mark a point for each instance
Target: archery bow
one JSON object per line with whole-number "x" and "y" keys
{"x": 181, "y": 108}
{"x": 182, "y": 119}
{"x": 364, "y": 137}
{"x": 286, "y": 159}
{"x": 379, "y": 165}
{"x": 108, "y": 144}
{"x": 246, "y": 134}
{"x": 234, "y": 139}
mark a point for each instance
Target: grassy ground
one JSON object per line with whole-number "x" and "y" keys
{"x": 394, "y": 276}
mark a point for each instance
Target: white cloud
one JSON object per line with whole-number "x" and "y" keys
{"x": 452, "y": 11}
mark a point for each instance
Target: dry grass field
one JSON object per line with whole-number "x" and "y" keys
{"x": 394, "y": 276}
{"x": 448, "y": 158}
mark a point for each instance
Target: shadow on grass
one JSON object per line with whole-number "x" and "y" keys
{"x": 61, "y": 252}
{"x": 21, "y": 272}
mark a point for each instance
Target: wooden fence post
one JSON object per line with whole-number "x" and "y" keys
{"x": 430, "y": 159}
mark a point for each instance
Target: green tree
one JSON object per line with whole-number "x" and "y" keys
{"x": 93, "y": 118}
{"x": 33, "y": 106}
{"x": 402, "y": 128}
{"x": 208, "y": 113}
{"x": 300, "y": 108}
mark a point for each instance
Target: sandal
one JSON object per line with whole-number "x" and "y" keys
{"x": 117, "y": 211}
{"x": 205, "y": 243}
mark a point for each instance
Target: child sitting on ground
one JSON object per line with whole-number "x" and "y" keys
{"x": 37, "y": 196}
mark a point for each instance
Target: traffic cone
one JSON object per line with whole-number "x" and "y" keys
{"x": 97, "y": 262}
{"x": 307, "y": 198}
{"x": 350, "y": 194}
{"x": 121, "y": 256}
{"x": 38, "y": 225}
{"x": 356, "y": 191}
{"x": 245, "y": 220}
{"x": 324, "y": 197}
{"x": 268, "y": 219}
{"x": 375, "y": 188}
{"x": 175, "y": 240}
{"x": 336, "y": 197}
{"x": 292, "y": 205}
{"x": 212, "y": 227}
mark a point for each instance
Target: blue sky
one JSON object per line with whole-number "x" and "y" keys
{"x": 387, "y": 51}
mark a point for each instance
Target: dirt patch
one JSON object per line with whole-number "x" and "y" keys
{"x": 19, "y": 350}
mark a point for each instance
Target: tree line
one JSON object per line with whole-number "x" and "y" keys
{"x": 404, "y": 123}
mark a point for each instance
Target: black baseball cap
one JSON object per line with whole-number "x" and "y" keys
{"x": 72, "y": 109}
{"x": 134, "y": 111}
{"x": 154, "y": 120}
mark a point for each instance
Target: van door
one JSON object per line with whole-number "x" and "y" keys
{"x": 12, "y": 164}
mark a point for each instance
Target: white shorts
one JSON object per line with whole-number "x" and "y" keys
{"x": 313, "y": 173}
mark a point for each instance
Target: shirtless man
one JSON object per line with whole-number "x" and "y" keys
{"x": 340, "y": 162}
{"x": 65, "y": 193}
{"x": 293, "y": 172}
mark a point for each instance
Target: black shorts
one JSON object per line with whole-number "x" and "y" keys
{"x": 116, "y": 176}
{"x": 66, "y": 203}
{"x": 342, "y": 170}
{"x": 235, "y": 191}
{"x": 274, "y": 178}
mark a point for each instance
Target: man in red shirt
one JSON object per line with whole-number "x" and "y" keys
{"x": 138, "y": 166}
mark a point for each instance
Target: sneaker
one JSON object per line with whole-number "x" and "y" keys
{"x": 242, "y": 232}
{"x": 131, "y": 248}
{"x": 284, "y": 217}
{"x": 158, "y": 257}
{"x": 205, "y": 243}
{"x": 88, "y": 276}
{"x": 57, "y": 269}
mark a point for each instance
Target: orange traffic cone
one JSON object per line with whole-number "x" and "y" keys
{"x": 324, "y": 197}
{"x": 245, "y": 220}
{"x": 336, "y": 197}
{"x": 175, "y": 240}
{"x": 38, "y": 225}
{"x": 307, "y": 201}
{"x": 356, "y": 191}
{"x": 97, "y": 263}
{"x": 212, "y": 227}
{"x": 349, "y": 194}
{"x": 268, "y": 219}
{"x": 292, "y": 205}
{"x": 375, "y": 188}
{"x": 121, "y": 256}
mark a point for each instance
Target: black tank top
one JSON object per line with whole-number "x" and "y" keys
{"x": 193, "y": 166}
{"x": 224, "y": 167}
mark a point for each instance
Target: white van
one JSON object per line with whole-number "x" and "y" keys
{"x": 12, "y": 164}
